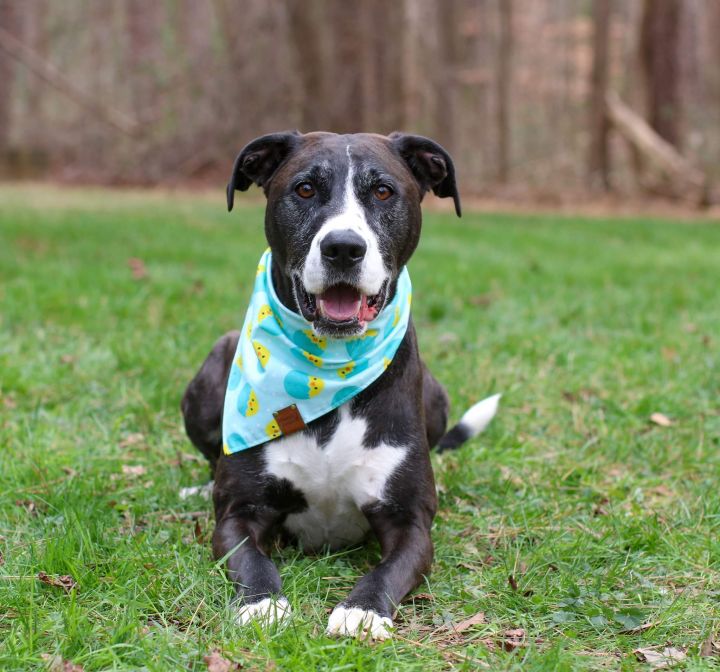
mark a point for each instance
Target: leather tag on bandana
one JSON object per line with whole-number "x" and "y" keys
{"x": 289, "y": 420}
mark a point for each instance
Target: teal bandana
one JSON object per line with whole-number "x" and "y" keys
{"x": 283, "y": 375}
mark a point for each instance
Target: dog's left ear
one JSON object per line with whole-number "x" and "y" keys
{"x": 259, "y": 160}
{"x": 430, "y": 164}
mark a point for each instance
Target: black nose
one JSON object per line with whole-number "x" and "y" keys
{"x": 343, "y": 249}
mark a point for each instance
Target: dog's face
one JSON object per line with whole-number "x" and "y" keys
{"x": 343, "y": 216}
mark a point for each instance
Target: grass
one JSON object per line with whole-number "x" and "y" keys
{"x": 605, "y": 521}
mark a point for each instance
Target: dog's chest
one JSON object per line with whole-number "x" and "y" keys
{"x": 337, "y": 479}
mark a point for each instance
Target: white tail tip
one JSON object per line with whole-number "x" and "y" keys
{"x": 478, "y": 417}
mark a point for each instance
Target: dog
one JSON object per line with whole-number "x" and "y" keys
{"x": 343, "y": 218}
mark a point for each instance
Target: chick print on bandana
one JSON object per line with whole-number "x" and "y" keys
{"x": 280, "y": 363}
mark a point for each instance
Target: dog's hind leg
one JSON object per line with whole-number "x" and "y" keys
{"x": 202, "y": 403}
{"x": 437, "y": 407}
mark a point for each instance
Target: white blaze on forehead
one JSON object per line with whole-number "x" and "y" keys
{"x": 351, "y": 217}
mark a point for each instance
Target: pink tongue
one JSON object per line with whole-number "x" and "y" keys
{"x": 340, "y": 303}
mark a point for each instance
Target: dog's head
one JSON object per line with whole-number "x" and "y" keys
{"x": 343, "y": 216}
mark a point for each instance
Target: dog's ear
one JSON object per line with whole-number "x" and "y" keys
{"x": 430, "y": 164}
{"x": 259, "y": 160}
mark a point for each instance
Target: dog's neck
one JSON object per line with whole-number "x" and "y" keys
{"x": 283, "y": 288}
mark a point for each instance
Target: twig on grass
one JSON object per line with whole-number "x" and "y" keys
{"x": 450, "y": 652}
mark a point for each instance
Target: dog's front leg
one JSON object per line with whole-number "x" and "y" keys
{"x": 257, "y": 580}
{"x": 407, "y": 554}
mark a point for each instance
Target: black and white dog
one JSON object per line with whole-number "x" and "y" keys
{"x": 343, "y": 216}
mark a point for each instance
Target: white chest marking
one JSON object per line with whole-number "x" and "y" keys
{"x": 336, "y": 480}
{"x": 352, "y": 216}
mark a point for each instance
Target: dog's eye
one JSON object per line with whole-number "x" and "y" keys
{"x": 305, "y": 190}
{"x": 383, "y": 192}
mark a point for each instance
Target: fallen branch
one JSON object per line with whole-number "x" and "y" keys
{"x": 686, "y": 180}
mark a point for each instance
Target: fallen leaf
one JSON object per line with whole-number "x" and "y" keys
{"x": 482, "y": 300}
{"x": 419, "y": 596}
{"x": 9, "y": 403}
{"x": 131, "y": 440}
{"x": 513, "y": 582}
{"x": 57, "y": 664}
{"x": 133, "y": 470}
{"x": 475, "y": 619}
{"x": 513, "y": 639}
{"x": 216, "y": 662}
{"x": 29, "y": 506}
{"x": 199, "y": 536}
{"x": 710, "y": 648}
{"x": 660, "y": 659}
{"x": 137, "y": 267}
{"x": 669, "y": 354}
{"x": 661, "y": 419}
{"x": 66, "y": 582}
{"x": 70, "y": 471}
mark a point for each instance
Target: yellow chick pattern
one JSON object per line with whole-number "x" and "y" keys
{"x": 313, "y": 359}
{"x": 316, "y": 385}
{"x": 264, "y": 312}
{"x": 272, "y": 429}
{"x": 263, "y": 354}
{"x": 346, "y": 370}
{"x": 320, "y": 341}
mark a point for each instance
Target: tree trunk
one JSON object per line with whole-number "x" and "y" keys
{"x": 599, "y": 157}
{"x": 660, "y": 61}
{"x": 305, "y": 23}
{"x": 448, "y": 56}
{"x": 142, "y": 21}
{"x": 8, "y": 22}
{"x": 503, "y": 83}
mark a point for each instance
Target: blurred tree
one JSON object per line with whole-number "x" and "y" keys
{"x": 446, "y": 67}
{"x": 660, "y": 60}
{"x": 305, "y": 21}
{"x": 9, "y": 23}
{"x": 599, "y": 159}
{"x": 504, "y": 79}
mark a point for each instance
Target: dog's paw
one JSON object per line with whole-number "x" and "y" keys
{"x": 266, "y": 611}
{"x": 361, "y": 623}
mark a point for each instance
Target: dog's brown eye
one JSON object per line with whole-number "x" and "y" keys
{"x": 383, "y": 192}
{"x": 305, "y": 190}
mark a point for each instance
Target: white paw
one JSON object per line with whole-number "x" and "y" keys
{"x": 356, "y": 622}
{"x": 203, "y": 491}
{"x": 266, "y": 612}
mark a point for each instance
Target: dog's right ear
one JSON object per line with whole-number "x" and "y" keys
{"x": 259, "y": 160}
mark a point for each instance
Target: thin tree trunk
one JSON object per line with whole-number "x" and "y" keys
{"x": 411, "y": 37}
{"x": 504, "y": 85}
{"x": 599, "y": 158}
{"x": 142, "y": 21}
{"x": 369, "y": 72}
{"x": 446, "y": 112}
{"x": 660, "y": 60}
{"x": 9, "y": 23}
{"x": 305, "y": 34}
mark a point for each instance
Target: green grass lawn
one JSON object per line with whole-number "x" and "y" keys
{"x": 573, "y": 517}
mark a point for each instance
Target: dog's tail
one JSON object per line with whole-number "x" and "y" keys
{"x": 475, "y": 419}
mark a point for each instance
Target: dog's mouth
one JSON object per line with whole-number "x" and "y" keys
{"x": 341, "y": 307}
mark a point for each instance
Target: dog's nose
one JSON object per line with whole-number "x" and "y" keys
{"x": 343, "y": 249}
